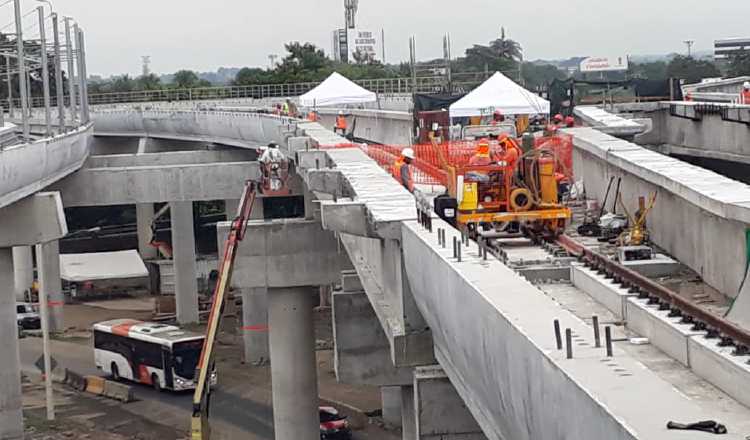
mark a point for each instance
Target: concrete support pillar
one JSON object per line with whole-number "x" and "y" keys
{"x": 144, "y": 213}
{"x": 408, "y": 416}
{"x": 255, "y": 325}
{"x": 11, "y": 417}
{"x": 293, "y": 368}
{"x": 23, "y": 271}
{"x": 391, "y": 398}
{"x": 48, "y": 266}
{"x": 439, "y": 411}
{"x": 183, "y": 247}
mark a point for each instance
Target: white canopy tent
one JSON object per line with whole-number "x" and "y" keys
{"x": 336, "y": 90}
{"x": 102, "y": 266}
{"x": 499, "y": 93}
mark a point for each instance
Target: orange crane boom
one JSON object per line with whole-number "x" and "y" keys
{"x": 199, "y": 426}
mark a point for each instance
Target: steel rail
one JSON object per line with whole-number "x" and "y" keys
{"x": 691, "y": 313}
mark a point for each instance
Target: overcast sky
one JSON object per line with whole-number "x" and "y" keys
{"x": 207, "y": 34}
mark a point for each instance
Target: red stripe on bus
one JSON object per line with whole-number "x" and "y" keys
{"x": 55, "y": 303}
{"x": 124, "y": 329}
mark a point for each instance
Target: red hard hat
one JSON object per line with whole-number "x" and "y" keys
{"x": 498, "y": 113}
{"x": 558, "y": 117}
{"x": 570, "y": 121}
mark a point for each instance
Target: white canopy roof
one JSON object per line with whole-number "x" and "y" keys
{"x": 499, "y": 93}
{"x": 102, "y": 266}
{"x": 336, "y": 90}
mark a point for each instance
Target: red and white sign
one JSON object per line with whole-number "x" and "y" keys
{"x": 604, "y": 64}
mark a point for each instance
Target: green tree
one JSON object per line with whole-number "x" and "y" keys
{"x": 185, "y": 79}
{"x": 149, "y": 82}
{"x": 540, "y": 75}
{"x": 739, "y": 63}
{"x": 501, "y": 54}
{"x": 253, "y": 75}
{"x": 655, "y": 70}
{"x": 122, "y": 83}
{"x": 304, "y": 62}
{"x": 690, "y": 69}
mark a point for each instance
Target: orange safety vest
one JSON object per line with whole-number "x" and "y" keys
{"x": 341, "y": 123}
{"x": 312, "y": 117}
{"x": 745, "y": 97}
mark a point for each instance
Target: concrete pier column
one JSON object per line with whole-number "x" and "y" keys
{"x": 255, "y": 325}
{"x": 391, "y": 398}
{"x": 408, "y": 415}
{"x": 48, "y": 265}
{"x": 183, "y": 247}
{"x": 23, "y": 271}
{"x": 144, "y": 213}
{"x": 11, "y": 417}
{"x": 293, "y": 368}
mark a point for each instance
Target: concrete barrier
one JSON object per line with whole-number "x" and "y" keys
{"x": 118, "y": 391}
{"x": 75, "y": 380}
{"x": 94, "y": 385}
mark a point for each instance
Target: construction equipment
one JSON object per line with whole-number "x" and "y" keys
{"x": 199, "y": 426}
{"x": 636, "y": 234}
{"x": 517, "y": 191}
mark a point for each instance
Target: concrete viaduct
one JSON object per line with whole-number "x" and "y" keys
{"x": 464, "y": 348}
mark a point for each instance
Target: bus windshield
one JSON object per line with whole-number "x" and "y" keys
{"x": 186, "y": 356}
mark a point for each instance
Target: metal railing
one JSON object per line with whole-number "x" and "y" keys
{"x": 461, "y": 82}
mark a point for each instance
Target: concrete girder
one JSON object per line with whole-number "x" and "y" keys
{"x": 153, "y": 184}
{"x": 380, "y": 269}
{"x": 36, "y": 219}
{"x": 171, "y": 158}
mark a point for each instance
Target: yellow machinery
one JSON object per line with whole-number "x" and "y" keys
{"x": 509, "y": 187}
{"x": 636, "y": 234}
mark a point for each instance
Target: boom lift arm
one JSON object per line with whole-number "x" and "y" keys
{"x": 199, "y": 426}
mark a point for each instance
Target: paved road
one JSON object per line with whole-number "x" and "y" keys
{"x": 233, "y": 416}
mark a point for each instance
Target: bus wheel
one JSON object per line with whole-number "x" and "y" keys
{"x": 115, "y": 372}
{"x": 155, "y": 383}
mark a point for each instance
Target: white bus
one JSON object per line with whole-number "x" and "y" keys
{"x": 162, "y": 356}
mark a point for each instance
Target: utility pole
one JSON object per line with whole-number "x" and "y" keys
{"x": 58, "y": 75}
{"x": 21, "y": 70}
{"x": 9, "y": 78}
{"x": 82, "y": 75}
{"x": 71, "y": 72}
{"x": 44, "y": 315}
{"x": 413, "y": 61}
{"x": 146, "y": 60}
{"x": 45, "y": 72}
{"x": 689, "y": 44}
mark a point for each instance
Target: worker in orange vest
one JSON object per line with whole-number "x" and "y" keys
{"x": 745, "y": 94}
{"x": 312, "y": 116}
{"x": 482, "y": 155}
{"x": 340, "y": 124}
{"x": 497, "y": 118}
{"x": 402, "y": 169}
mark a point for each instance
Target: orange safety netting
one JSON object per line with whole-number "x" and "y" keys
{"x": 427, "y": 167}
{"x": 562, "y": 146}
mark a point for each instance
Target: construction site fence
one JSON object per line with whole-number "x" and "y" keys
{"x": 428, "y": 168}
{"x": 461, "y": 82}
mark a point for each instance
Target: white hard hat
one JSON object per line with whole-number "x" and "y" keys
{"x": 341, "y": 112}
{"x": 746, "y": 85}
{"x": 408, "y": 152}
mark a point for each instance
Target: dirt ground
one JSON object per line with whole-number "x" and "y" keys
{"x": 81, "y": 416}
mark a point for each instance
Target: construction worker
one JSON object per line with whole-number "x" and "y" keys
{"x": 570, "y": 122}
{"x": 745, "y": 94}
{"x": 285, "y": 108}
{"x": 340, "y": 124}
{"x": 557, "y": 120}
{"x": 497, "y": 118}
{"x": 312, "y": 116}
{"x": 482, "y": 155}
{"x": 402, "y": 169}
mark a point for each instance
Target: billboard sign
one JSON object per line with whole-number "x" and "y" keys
{"x": 364, "y": 41}
{"x": 604, "y": 64}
